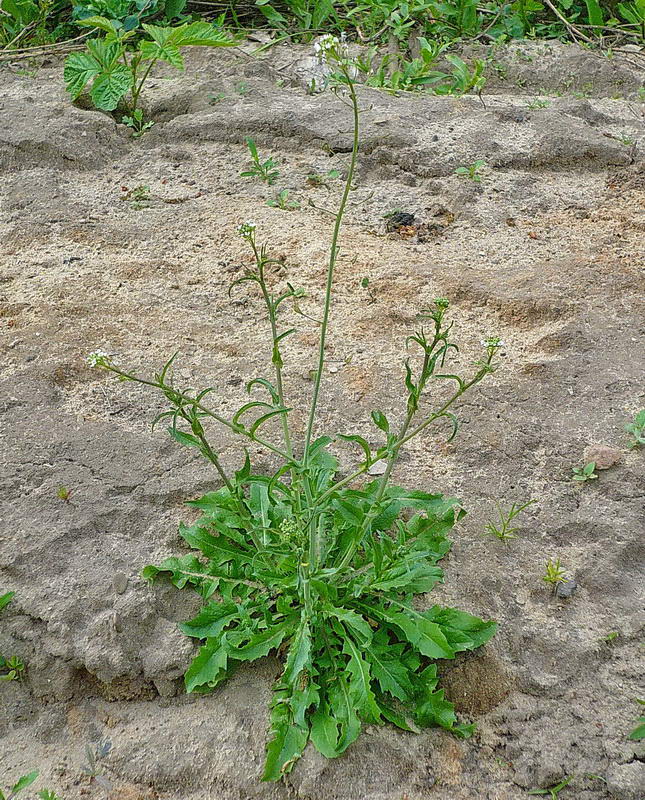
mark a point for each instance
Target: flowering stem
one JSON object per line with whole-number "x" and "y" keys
{"x": 333, "y": 255}
{"x": 196, "y": 404}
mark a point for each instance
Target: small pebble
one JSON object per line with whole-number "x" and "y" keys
{"x": 602, "y": 455}
{"x": 120, "y": 582}
{"x": 566, "y": 588}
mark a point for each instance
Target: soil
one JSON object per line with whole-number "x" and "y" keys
{"x": 547, "y": 251}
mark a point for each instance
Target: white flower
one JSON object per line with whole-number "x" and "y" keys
{"x": 246, "y": 229}
{"x": 492, "y": 341}
{"x": 98, "y": 358}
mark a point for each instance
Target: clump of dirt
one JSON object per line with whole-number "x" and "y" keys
{"x": 546, "y": 251}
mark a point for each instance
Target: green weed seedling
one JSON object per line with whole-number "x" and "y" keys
{"x": 553, "y": 791}
{"x": 636, "y": 430}
{"x": 318, "y": 179}
{"x": 264, "y": 170}
{"x": 135, "y": 121}
{"x": 63, "y": 493}
{"x": 92, "y": 768}
{"x": 313, "y": 562}
{"x": 47, "y": 794}
{"x": 639, "y": 731}
{"x": 281, "y": 200}
{"x": 12, "y": 667}
{"x": 473, "y": 172}
{"x": 20, "y": 785}
{"x": 503, "y": 530}
{"x": 554, "y": 574}
{"x": 116, "y": 67}
{"x": 586, "y": 473}
{"x": 538, "y": 102}
{"x": 215, "y": 98}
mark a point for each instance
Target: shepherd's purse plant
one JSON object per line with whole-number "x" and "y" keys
{"x": 319, "y": 569}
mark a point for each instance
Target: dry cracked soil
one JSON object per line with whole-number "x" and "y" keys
{"x": 545, "y": 251}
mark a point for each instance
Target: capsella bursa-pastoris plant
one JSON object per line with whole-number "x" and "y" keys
{"x": 322, "y": 570}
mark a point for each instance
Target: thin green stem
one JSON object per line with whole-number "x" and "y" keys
{"x": 192, "y": 401}
{"x": 333, "y": 255}
{"x": 274, "y": 335}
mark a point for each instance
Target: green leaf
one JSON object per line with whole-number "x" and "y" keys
{"x": 211, "y": 620}
{"x": 217, "y": 547}
{"x": 594, "y": 11}
{"x": 23, "y": 783}
{"x": 187, "y": 439}
{"x": 388, "y": 669}
{"x": 174, "y": 8}
{"x": 299, "y": 653}
{"x": 261, "y": 644}
{"x": 356, "y": 622}
{"x": 287, "y": 740}
{"x": 435, "y": 710}
{"x": 380, "y": 420}
{"x": 110, "y": 86}
{"x": 168, "y": 52}
{"x": 359, "y": 441}
{"x": 463, "y": 631}
{"x": 5, "y": 599}
{"x": 79, "y": 69}
{"x": 639, "y": 731}
{"x": 209, "y": 667}
{"x": 103, "y": 23}
{"x": 426, "y": 636}
{"x": 360, "y": 682}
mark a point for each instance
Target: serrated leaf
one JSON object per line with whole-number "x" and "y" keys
{"x": 261, "y": 644}
{"x": 426, "y": 636}
{"x": 211, "y": 620}
{"x": 110, "y": 86}
{"x": 79, "y": 69}
{"x": 167, "y": 52}
{"x": 217, "y": 547}
{"x": 209, "y": 667}
{"x": 464, "y": 631}
{"x": 392, "y": 675}
{"x": 434, "y": 709}
{"x": 287, "y": 740}
{"x": 360, "y": 681}
{"x": 356, "y": 622}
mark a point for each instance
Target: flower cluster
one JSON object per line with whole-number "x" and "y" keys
{"x": 326, "y": 46}
{"x": 493, "y": 342}
{"x": 441, "y": 302}
{"x": 246, "y": 229}
{"x": 98, "y": 358}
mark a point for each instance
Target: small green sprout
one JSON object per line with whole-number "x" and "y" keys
{"x": 47, "y": 794}
{"x": 586, "y": 473}
{"x": 505, "y": 532}
{"x": 281, "y": 200}
{"x": 473, "y": 171}
{"x": 538, "y": 102}
{"x": 554, "y": 574}
{"x": 11, "y": 668}
{"x": 242, "y": 89}
{"x": 610, "y": 637}
{"x": 19, "y": 786}
{"x": 63, "y": 493}
{"x": 215, "y": 98}
{"x": 14, "y": 667}
{"x": 554, "y": 791}
{"x": 639, "y": 731}
{"x": 636, "y": 430}
{"x": 318, "y": 179}
{"x": 135, "y": 121}
{"x": 264, "y": 170}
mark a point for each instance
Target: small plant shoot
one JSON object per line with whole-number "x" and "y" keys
{"x": 636, "y": 430}
{"x": 264, "y": 170}
{"x": 116, "y": 68}
{"x": 586, "y": 473}
{"x": 554, "y": 574}
{"x": 316, "y": 565}
{"x": 503, "y": 530}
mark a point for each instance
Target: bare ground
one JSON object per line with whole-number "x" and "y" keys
{"x": 547, "y": 252}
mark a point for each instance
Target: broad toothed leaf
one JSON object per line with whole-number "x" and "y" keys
{"x": 209, "y": 667}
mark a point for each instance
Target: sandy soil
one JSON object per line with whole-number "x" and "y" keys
{"x": 547, "y": 252}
